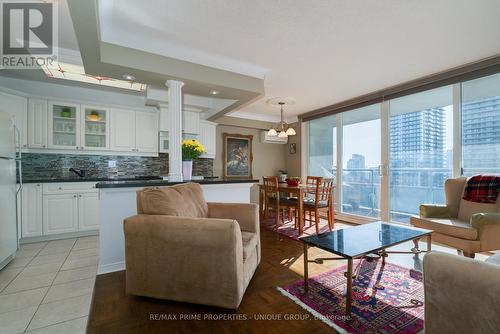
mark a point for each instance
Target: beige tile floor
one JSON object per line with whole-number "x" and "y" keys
{"x": 48, "y": 287}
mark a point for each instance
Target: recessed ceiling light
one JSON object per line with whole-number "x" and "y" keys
{"x": 214, "y": 92}
{"x": 128, "y": 77}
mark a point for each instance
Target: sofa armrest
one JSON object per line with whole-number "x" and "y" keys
{"x": 247, "y": 215}
{"x": 480, "y": 220}
{"x": 461, "y": 295}
{"x": 434, "y": 211}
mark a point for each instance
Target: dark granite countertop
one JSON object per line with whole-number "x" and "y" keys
{"x": 153, "y": 183}
{"x": 62, "y": 179}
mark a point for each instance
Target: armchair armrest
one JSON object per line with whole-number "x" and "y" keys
{"x": 480, "y": 220}
{"x": 434, "y": 211}
{"x": 247, "y": 215}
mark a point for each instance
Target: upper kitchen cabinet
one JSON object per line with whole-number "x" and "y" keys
{"x": 64, "y": 126}
{"x": 208, "y": 138}
{"x": 37, "y": 123}
{"x": 146, "y": 135}
{"x": 191, "y": 123}
{"x": 17, "y": 106}
{"x": 122, "y": 130}
{"x": 95, "y": 134}
{"x": 134, "y": 131}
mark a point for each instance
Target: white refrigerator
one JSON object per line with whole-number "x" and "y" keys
{"x": 8, "y": 189}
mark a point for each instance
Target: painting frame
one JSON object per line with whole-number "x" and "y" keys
{"x": 242, "y": 143}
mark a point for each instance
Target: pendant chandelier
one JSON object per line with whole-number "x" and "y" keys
{"x": 282, "y": 130}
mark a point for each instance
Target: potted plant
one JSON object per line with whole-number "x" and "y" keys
{"x": 283, "y": 175}
{"x": 191, "y": 149}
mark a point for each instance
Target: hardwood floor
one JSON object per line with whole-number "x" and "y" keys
{"x": 113, "y": 311}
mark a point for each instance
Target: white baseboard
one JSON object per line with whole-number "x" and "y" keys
{"x": 109, "y": 268}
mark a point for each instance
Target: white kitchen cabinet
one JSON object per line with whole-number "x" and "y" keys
{"x": 18, "y": 107}
{"x": 60, "y": 214}
{"x": 88, "y": 212}
{"x": 122, "y": 130}
{"x": 191, "y": 122}
{"x": 146, "y": 131}
{"x": 208, "y": 138}
{"x": 95, "y": 128}
{"x": 64, "y": 125}
{"x": 31, "y": 212}
{"x": 37, "y": 123}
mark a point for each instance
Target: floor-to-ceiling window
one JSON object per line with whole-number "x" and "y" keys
{"x": 323, "y": 148}
{"x": 427, "y": 137}
{"x": 420, "y": 148}
{"x": 361, "y": 161}
{"x": 481, "y": 125}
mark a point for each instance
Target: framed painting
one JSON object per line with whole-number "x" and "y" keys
{"x": 237, "y": 156}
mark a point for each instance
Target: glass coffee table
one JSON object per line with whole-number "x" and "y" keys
{"x": 361, "y": 241}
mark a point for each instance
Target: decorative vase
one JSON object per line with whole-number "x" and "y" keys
{"x": 187, "y": 169}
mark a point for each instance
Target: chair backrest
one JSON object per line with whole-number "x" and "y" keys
{"x": 460, "y": 208}
{"x": 185, "y": 200}
{"x": 325, "y": 191}
{"x": 313, "y": 184}
{"x": 270, "y": 186}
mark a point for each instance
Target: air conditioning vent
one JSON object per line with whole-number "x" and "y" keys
{"x": 264, "y": 138}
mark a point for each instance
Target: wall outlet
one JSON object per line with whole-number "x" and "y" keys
{"x": 111, "y": 163}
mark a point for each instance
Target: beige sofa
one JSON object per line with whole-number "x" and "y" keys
{"x": 462, "y": 296}
{"x": 179, "y": 247}
{"x": 467, "y": 226}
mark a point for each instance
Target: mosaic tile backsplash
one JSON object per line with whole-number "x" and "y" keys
{"x": 37, "y": 165}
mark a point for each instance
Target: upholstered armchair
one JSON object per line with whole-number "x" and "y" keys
{"x": 467, "y": 226}
{"x": 179, "y": 247}
{"x": 462, "y": 296}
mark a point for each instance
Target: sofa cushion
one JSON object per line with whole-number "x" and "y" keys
{"x": 250, "y": 241}
{"x": 452, "y": 227}
{"x": 184, "y": 200}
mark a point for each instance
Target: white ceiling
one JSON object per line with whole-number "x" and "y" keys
{"x": 318, "y": 51}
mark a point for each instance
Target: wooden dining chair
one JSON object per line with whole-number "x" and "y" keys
{"x": 319, "y": 195}
{"x": 271, "y": 196}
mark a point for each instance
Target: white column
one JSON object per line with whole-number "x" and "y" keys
{"x": 174, "y": 130}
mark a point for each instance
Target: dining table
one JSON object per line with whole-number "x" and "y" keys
{"x": 297, "y": 191}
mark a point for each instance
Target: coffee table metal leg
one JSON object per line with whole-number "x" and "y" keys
{"x": 429, "y": 242}
{"x": 306, "y": 269}
{"x": 348, "y": 296}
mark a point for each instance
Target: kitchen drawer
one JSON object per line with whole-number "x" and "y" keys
{"x": 69, "y": 187}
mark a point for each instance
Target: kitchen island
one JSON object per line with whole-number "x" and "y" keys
{"x": 117, "y": 201}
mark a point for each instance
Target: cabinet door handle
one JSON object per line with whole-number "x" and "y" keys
{"x": 79, "y": 195}
{"x": 74, "y": 196}
{"x": 60, "y": 188}
{"x": 43, "y": 146}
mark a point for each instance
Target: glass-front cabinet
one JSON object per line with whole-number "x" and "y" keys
{"x": 95, "y": 128}
{"x": 64, "y": 125}
{"x": 78, "y": 127}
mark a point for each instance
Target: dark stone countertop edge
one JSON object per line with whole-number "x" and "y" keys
{"x": 153, "y": 183}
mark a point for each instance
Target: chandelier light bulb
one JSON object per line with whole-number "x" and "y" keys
{"x": 272, "y": 133}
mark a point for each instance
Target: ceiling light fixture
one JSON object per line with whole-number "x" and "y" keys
{"x": 214, "y": 92}
{"x": 128, "y": 77}
{"x": 282, "y": 130}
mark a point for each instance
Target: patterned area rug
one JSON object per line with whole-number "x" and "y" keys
{"x": 288, "y": 228}
{"x": 386, "y": 299}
